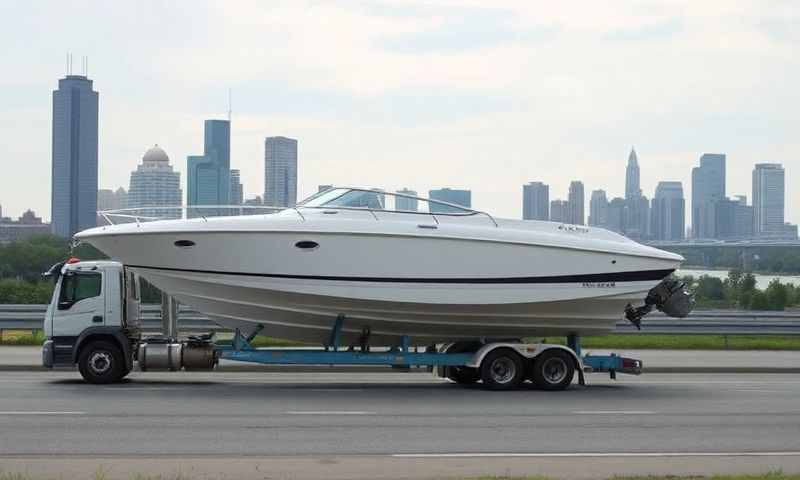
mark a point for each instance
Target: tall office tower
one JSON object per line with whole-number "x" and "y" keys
{"x": 280, "y": 171}
{"x": 768, "y": 200}
{"x": 536, "y": 201}
{"x": 637, "y": 217}
{"x": 406, "y": 204}
{"x": 743, "y": 218}
{"x": 559, "y": 211}
{"x": 108, "y": 199}
{"x": 632, "y": 186}
{"x": 575, "y": 214}
{"x": 616, "y": 215}
{"x": 598, "y": 209}
{"x": 668, "y": 212}
{"x": 74, "y": 170}
{"x": 459, "y": 197}
{"x": 708, "y": 187}
{"x": 237, "y": 192}
{"x": 155, "y": 184}
{"x": 209, "y": 174}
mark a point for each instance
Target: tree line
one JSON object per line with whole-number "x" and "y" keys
{"x": 739, "y": 290}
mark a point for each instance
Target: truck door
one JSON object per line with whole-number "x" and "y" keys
{"x": 81, "y": 303}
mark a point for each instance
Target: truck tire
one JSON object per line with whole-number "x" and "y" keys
{"x": 553, "y": 370}
{"x": 463, "y": 375}
{"x": 101, "y": 362}
{"x": 502, "y": 369}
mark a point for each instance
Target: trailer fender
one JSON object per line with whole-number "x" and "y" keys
{"x": 115, "y": 333}
{"x": 526, "y": 350}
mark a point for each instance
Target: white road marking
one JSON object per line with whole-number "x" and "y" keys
{"x": 614, "y": 412}
{"x": 757, "y": 390}
{"x": 620, "y": 454}
{"x": 40, "y": 413}
{"x": 332, "y": 412}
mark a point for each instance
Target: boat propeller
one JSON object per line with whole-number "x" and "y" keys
{"x": 670, "y": 296}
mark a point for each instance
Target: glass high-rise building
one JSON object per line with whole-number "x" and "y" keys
{"x": 280, "y": 171}
{"x": 74, "y": 156}
{"x": 237, "y": 191}
{"x": 632, "y": 185}
{"x": 536, "y": 201}
{"x": 458, "y": 197}
{"x": 668, "y": 212}
{"x": 708, "y": 187}
{"x": 575, "y": 212}
{"x": 598, "y": 209}
{"x": 155, "y": 184}
{"x": 406, "y": 204}
{"x": 208, "y": 175}
{"x": 768, "y": 200}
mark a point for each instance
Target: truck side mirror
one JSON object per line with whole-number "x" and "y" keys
{"x": 65, "y": 305}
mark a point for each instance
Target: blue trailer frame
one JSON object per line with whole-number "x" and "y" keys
{"x": 401, "y": 356}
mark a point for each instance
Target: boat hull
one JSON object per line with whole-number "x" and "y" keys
{"x": 245, "y": 303}
{"x": 454, "y": 282}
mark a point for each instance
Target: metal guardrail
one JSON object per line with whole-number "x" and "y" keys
{"x": 710, "y": 322}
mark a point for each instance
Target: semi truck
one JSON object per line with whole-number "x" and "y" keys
{"x": 93, "y": 322}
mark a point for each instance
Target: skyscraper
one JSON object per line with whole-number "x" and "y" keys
{"x": 616, "y": 215}
{"x": 280, "y": 171}
{"x": 708, "y": 187}
{"x": 632, "y": 186}
{"x": 208, "y": 179}
{"x": 155, "y": 184}
{"x": 668, "y": 212}
{"x": 458, "y": 197}
{"x": 74, "y": 170}
{"x": 536, "y": 201}
{"x": 768, "y": 199}
{"x": 575, "y": 212}
{"x": 559, "y": 211}
{"x": 108, "y": 199}
{"x": 237, "y": 192}
{"x": 406, "y": 204}
{"x": 598, "y": 209}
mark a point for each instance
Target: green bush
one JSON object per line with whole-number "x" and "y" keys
{"x": 21, "y": 291}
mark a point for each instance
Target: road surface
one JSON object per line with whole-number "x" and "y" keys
{"x": 376, "y": 424}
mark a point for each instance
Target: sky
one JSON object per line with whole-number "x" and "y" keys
{"x": 464, "y": 94}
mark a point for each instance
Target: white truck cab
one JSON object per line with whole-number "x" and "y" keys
{"x": 94, "y": 304}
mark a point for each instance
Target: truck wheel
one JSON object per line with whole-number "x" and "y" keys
{"x": 553, "y": 370}
{"x": 463, "y": 375}
{"x": 101, "y": 362}
{"x": 502, "y": 369}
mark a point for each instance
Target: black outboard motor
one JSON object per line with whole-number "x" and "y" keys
{"x": 670, "y": 296}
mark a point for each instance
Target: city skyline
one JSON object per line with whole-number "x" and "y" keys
{"x": 427, "y": 92}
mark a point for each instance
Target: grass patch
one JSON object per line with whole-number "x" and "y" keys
{"x": 689, "y": 342}
{"x": 763, "y": 476}
{"x": 35, "y": 338}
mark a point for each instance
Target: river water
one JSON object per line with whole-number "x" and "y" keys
{"x": 761, "y": 280}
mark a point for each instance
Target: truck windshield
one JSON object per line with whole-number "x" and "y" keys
{"x": 78, "y": 286}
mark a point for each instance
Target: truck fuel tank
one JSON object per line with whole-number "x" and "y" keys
{"x": 162, "y": 353}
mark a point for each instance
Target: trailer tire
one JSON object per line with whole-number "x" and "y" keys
{"x": 461, "y": 374}
{"x": 101, "y": 362}
{"x": 553, "y": 370}
{"x": 502, "y": 369}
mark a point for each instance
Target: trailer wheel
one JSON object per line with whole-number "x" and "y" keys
{"x": 502, "y": 369}
{"x": 463, "y": 375}
{"x": 101, "y": 362}
{"x": 553, "y": 370}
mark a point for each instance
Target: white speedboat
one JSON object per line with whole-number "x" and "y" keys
{"x": 395, "y": 265}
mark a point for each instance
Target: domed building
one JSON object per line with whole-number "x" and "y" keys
{"x": 155, "y": 184}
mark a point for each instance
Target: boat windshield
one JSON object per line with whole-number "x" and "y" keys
{"x": 380, "y": 200}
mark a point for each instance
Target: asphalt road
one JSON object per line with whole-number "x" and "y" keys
{"x": 343, "y": 415}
